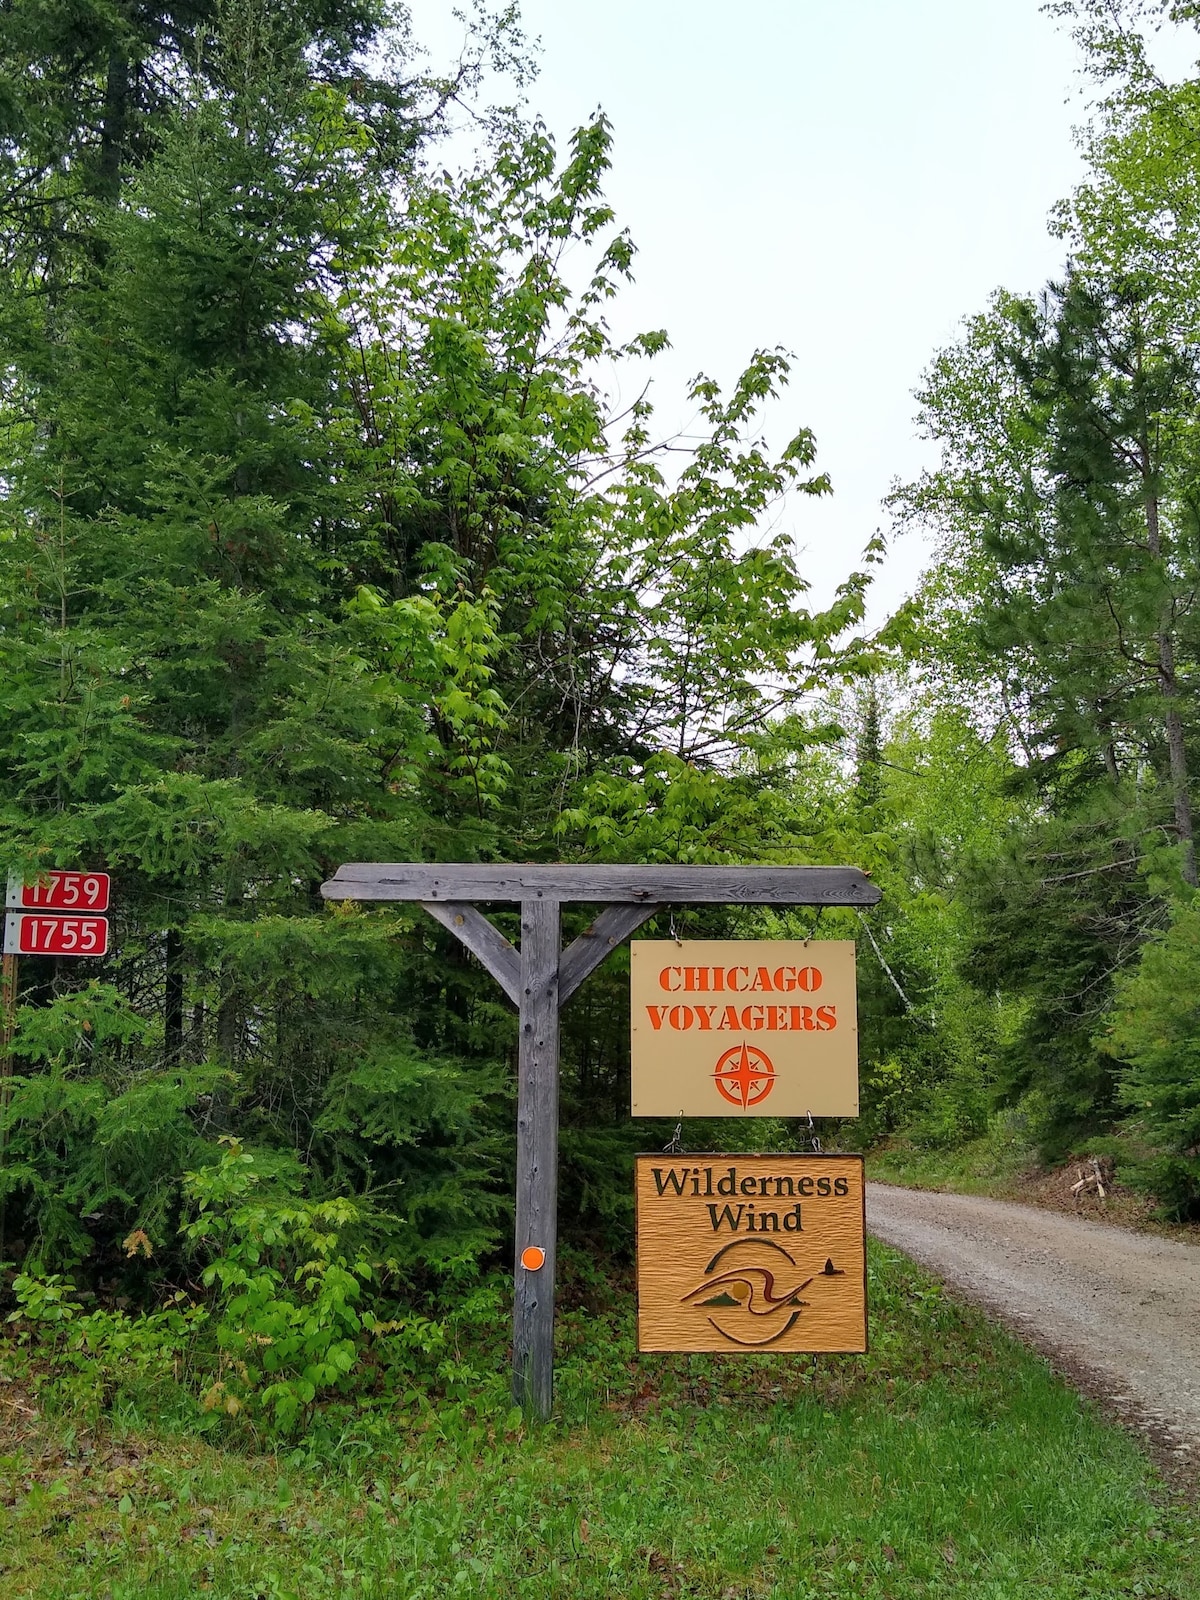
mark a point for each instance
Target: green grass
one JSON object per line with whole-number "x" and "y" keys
{"x": 946, "y": 1462}
{"x": 991, "y": 1165}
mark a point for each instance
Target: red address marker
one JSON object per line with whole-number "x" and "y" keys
{"x": 60, "y": 891}
{"x": 26, "y": 935}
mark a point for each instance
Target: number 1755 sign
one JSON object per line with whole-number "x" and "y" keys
{"x": 55, "y": 936}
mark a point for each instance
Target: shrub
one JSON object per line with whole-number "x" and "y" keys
{"x": 287, "y": 1278}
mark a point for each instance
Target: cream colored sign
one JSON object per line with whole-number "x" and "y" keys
{"x": 751, "y": 1253}
{"x": 744, "y": 1028}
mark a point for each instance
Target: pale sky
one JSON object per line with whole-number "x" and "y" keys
{"x": 847, "y": 178}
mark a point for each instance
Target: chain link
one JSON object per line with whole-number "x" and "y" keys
{"x": 675, "y": 1148}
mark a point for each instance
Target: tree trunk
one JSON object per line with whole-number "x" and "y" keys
{"x": 1169, "y": 689}
{"x": 1177, "y": 757}
{"x": 114, "y": 128}
{"x": 228, "y": 1027}
{"x": 173, "y": 1000}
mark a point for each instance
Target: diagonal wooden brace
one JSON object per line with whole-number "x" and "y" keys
{"x": 502, "y": 959}
{"x": 611, "y": 928}
{"x": 483, "y": 939}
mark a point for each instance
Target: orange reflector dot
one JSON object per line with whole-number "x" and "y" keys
{"x": 533, "y": 1257}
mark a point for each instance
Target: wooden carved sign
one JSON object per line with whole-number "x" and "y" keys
{"x": 744, "y": 1253}
{"x": 743, "y": 1028}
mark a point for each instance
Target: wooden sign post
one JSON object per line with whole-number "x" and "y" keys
{"x": 539, "y": 979}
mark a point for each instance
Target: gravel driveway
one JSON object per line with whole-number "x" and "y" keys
{"x": 1119, "y": 1310}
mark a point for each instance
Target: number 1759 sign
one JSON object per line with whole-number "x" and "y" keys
{"x": 60, "y": 891}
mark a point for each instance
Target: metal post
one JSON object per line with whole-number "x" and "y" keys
{"x": 537, "y": 1157}
{"x": 8, "y": 1013}
{"x": 8, "y": 1023}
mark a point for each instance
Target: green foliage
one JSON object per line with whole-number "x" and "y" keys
{"x": 928, "y": 800}
{"x": 89, "y": 1364}
{"x": 996, "y": 1161}
{"x": 90, "y": 1133}
{"x": 321, "y": 543}
{"x": 1057, "y": 907}
{"x": 288, "y": 1279}
{"x": 1154, "y": 1029}
{"x": 1060, "y": 612}
{"x": 297, "y": 1303}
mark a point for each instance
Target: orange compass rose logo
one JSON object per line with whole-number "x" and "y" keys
{"x": 744, "y": 1076}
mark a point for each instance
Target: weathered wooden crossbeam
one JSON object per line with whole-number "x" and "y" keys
{"x": 539, "y": 978}
{"x": 771, "y": 886}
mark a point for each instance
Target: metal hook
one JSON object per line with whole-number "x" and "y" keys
{"x": 675, "y": 1148}
{"x": 671, "y": 925}
{"x": 814, "y": 1142}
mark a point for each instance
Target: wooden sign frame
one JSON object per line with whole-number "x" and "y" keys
{"x": 539, "y": 978}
